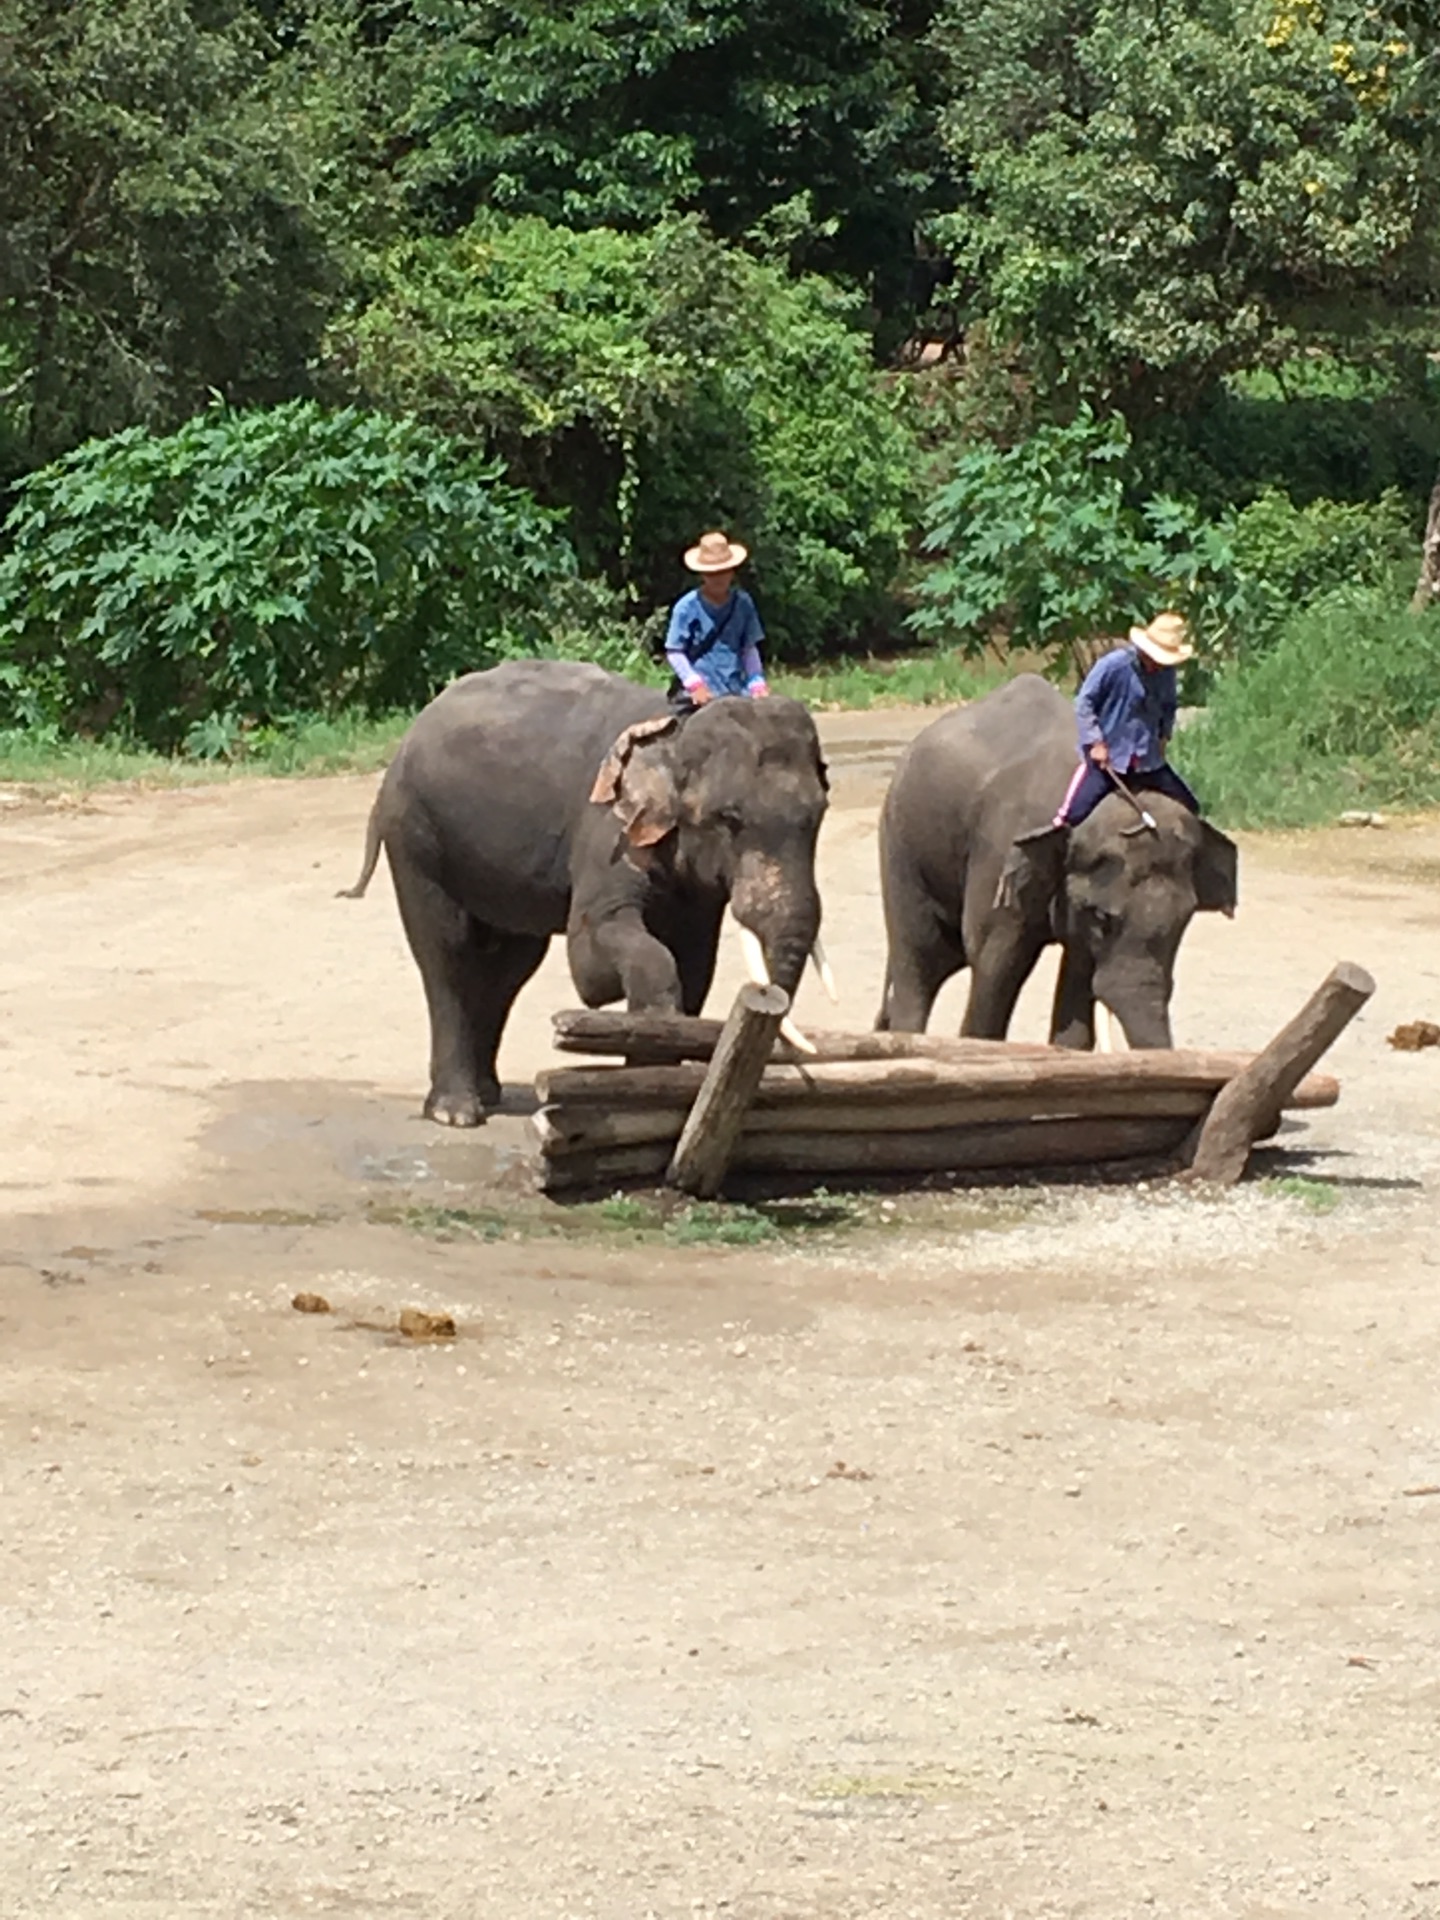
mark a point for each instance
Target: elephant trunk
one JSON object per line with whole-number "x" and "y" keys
{"x": 1140, "y": 1001}
{"x": 782, "y": 910}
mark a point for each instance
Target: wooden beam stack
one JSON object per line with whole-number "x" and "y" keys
{"x": 696, "y": 1101}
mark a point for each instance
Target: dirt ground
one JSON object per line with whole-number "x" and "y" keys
{"x": 1056, "y": 1552}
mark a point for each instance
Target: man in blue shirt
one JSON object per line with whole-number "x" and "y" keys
{"x": 1126, "y": 714}
{"x": 713, "y": 645}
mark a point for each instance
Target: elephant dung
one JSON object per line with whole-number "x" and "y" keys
{"x": 416, "y": 1324}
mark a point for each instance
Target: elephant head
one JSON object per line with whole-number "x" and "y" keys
{"x": 1119, "y": 897}
{"x": 728, "y": 801}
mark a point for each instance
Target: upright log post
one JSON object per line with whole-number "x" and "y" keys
{"x": 714, "y": 1122}
{"x": 1248, "y": 1108}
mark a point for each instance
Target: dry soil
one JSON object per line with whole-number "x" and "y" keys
{"x": 1052, "y": 1552}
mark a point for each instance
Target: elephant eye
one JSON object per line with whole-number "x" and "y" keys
{"x": 730, "y": 818}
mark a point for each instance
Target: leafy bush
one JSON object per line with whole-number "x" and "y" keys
{"x": 1041, "y": 539}
{"x": 655, "y": 384}
{"x": 1317, "y": 428}
{"x": 254, "y": 565}
{"x": 1343, "y": 711}
{"x": 1045, "y": 540}
{"x": 1284, "y": 556}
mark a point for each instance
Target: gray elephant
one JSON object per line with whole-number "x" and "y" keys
{"x": 546, "y": 797}
{"x": 970, "y": 875}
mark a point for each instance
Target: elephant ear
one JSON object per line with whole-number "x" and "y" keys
{"x": 1030, "y": 878}
{"x": 1216, "y": 871}
{"x": 636, "y": 783}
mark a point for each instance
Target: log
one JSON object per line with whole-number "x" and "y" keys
{"x": 713, "y": 1124}
{"x": 1017, "y": 1145}
{"x": 1247, "y": 1108}
{"x": 1049, "y": 1076}
{"x": 565, "y": 1130}
{"x": 654, "y": 1039}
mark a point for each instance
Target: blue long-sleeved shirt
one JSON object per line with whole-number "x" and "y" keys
{"x": 728, "y": 663}
{"x": 1131, "y": 710}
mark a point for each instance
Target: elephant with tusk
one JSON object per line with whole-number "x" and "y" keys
{"x": 547, "y": 796}
{"x": 974, "y": 874}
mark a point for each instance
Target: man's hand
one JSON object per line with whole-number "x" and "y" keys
{"x": 762, "y": 692}
{"x": 699, "y": 693}
{"x": 1100, "y": 754}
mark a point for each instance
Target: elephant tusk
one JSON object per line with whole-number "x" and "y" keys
{"x": 791, "y": 1033}
{"x": 822, "y": 967}
{"x": 759, "y": 972}
{"x": 754, "y": 955}
{"x": 1104, "y": 1028}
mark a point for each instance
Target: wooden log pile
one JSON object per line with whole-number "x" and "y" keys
{"x": 692, "y": 1102}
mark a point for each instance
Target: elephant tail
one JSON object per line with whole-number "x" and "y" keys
{"x": 372, "y": 855}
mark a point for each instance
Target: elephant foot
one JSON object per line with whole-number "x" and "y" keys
{"x": 462, "y": 1107}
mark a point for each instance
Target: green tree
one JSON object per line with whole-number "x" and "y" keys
{"x": 806, "y": 123}
{"x": 654, "y": 384}
{"x": 162, "y": 212}
{"x": 258, "y": 564}
{"x": 1159, "y": 193}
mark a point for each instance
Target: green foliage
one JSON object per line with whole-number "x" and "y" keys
{"x": 1316, "y": 1196}
{"x": 1040, "y": 540}
{"x": 803, "y": 124}
{"x": 1159, "y": 191}
{"x": 1343, "y": 711}
{"x": 256, "y": 564}
{"x": 929, "y": 678}
{"x": 1283, "y": 556}
{"x": 303, "y": 747}
{"x": 162, "y": 234}
{"x": 1317, "y": 427}
{"x": 715, "y": 1224}
{"x": 654, "y": 385}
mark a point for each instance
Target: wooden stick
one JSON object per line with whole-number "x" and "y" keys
{"x": 1246, "y": 1109}
{"x": 713, "y": 1125}
{"x": 1054, "y": 1075}
{"x": 1016, "y": 1145}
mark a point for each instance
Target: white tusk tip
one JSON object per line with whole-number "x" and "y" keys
{"x": 790, "y": 1033}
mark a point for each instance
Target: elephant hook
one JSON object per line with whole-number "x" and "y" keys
{"x": 1148, "y": 822}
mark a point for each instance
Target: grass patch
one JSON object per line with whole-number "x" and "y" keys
{"x": 445, "y": 1223}
{"x": 928, "y": 679}
{"x": 711, "y": 1224}
{"x": 310, "y": 747}
{"x": 1318, "y": 1195}
{"x": 1342, "y": 712}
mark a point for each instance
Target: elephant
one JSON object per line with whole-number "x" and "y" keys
{"x": 549, "y": 796}
{"x": 971, "y": 875}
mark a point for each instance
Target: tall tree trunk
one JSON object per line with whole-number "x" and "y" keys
{"x": 1427, "y": 588}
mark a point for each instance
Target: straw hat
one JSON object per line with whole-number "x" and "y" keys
{"x": 715, "y": 554}
{"x": 1164, "y": 641}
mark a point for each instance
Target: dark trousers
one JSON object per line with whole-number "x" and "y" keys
{"x": 1091, "y": 784}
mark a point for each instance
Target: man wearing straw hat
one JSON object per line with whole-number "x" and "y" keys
{"x": 1126, "y": 714}
{"x": 713, "y": 645}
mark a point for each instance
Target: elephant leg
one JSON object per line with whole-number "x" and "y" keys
{"x": 696, "y": 947}
{"x": 1072, "y": 1022}
{"x": 471, "y": 975}
{"x": 506, "y": 964}
{"x": 925, "y": 951}
{"x": 1004, "y": 963}
{"x": 618, "y": 958}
